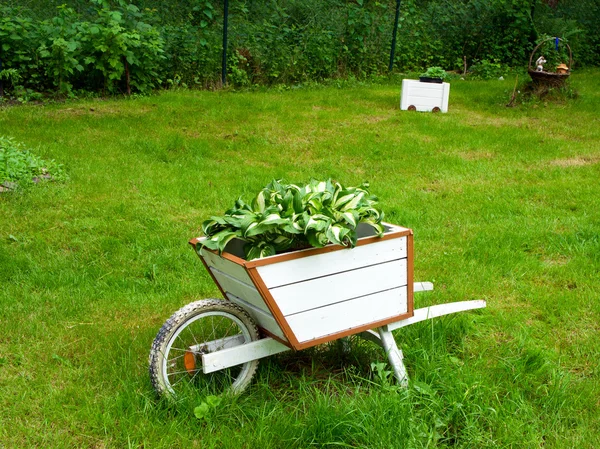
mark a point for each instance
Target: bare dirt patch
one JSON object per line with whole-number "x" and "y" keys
{"x": 375, "y": 118}
{"x": 559, "y": 260}
{"x": 99, "y": 111}
{"x": 475, "y": 155}
{"x": 578, "y": 161}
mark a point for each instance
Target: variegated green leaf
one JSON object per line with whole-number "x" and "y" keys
{"x": 259, "y": 202}
{"x": 353, "y": 202}
{"x": 283, "y": 216}
{"x": 343, "y": 200}
{"x": 350, "y": 218}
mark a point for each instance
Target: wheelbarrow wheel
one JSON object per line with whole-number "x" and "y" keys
{"x": 201, "y": 327}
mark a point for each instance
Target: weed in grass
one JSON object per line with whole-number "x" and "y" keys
{"x": 20, "y": 166}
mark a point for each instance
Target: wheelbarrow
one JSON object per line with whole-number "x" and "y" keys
{"x": 291, "y": 301}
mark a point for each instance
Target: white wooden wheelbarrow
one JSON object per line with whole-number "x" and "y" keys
{"x": 291, "y": 301}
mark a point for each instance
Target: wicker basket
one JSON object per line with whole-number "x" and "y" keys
{"x": 550, "y": 79}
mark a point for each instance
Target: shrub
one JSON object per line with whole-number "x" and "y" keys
{"x": 487, "y": 70}
{"x": 121, "y": 46}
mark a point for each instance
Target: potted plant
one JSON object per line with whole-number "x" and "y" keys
{"x": 284, "y": 258}
{"x": 284, "y": 217}
{"x": 433, "y": 75}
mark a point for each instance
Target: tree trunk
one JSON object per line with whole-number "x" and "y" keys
{"x": 127, "y": 78}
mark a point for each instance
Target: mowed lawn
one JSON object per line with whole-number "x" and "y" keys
{"x": 504, "y": 204}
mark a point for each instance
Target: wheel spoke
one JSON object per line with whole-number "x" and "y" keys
{"x": 182, "y": 372}
{"x": 179, "y": 349}
{"x": 172, "y": 359}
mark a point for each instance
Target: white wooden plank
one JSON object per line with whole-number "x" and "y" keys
{"x": 422, "y": 287}
{"x": 239, "y": 289}
{"x": 226, "y": 266}
{"x": 261, "y": 318}
{"x": 296, "y": 270}
{"x": 241, "y": 354}
{"x": 340, "y": 317}
{"x": 323, "y": 291}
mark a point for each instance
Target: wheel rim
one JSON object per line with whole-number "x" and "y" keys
{"x": 182, "y": 360}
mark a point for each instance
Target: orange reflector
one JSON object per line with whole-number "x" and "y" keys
{"x": 189, "y": 360}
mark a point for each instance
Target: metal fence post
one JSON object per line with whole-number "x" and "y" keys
{"x": 224, "y": 56}
{"x": 393, "y": 49}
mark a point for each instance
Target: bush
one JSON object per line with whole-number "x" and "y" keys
{"x": 487, "y": 70}
{"x": 117, "y": 46}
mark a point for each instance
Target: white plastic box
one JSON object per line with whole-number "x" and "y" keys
{"x": 424, "y": 96}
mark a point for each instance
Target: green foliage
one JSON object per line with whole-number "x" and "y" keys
{"x": 286, "y": 216}
{"x": 21, "y": 166}
{"x": 136, "y": 46}
{"x": 385, "y": 377}
{"x": 20, "y": 38}
{"x": 116, "y": 50}
{"x": 61, "y": 48}
{"x": 435, "y": 72}
{"x": 577, "y": 22}
{"x": 207, "y": 408}
{"x": 11, "y": 75}
{"x": 120, "y": 44}
{"x": 487, "y": 70}
{"x": 192, "y": 54}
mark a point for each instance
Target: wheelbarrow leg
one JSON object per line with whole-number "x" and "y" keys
{"x": 394, "y": 354}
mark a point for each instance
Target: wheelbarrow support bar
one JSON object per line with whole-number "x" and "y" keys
{"x": 385, "y": 338}
{"x": 382, "y": 336}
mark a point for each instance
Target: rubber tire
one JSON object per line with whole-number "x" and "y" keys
{"x": 174, "y": 327}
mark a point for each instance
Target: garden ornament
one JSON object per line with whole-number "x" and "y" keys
{"x": 540, "y": 64}
{"x": 562, "y": 68}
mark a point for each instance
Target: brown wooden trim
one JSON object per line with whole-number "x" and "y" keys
{"x": 398, "y": 232}
{"x": 355, "y": 330}
{"x": 275, "y": 337}
{"x": 273, "y": 307}
{"x": 411, "y": 272}
{"x": 280, "y": 319}
{"x": 237, "y": 260}
{"x": 326, "y": 249}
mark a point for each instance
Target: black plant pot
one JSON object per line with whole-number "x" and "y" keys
{"x": 426, "y": 79}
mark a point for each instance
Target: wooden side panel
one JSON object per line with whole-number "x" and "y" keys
{"x": 262, "y": 319}
{"x": 239, "y": 289}
{"x": 339, "y": 287}
{"x": 296, "y": 270}
{"x": 365, "y": 287}
{"x": 341, "y": 317}
{"x": 226, "y": 266}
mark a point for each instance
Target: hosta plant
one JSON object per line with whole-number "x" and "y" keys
{"x": 285, "y": 217}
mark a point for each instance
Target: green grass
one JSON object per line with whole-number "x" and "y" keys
{"x": 504, "y": 203}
